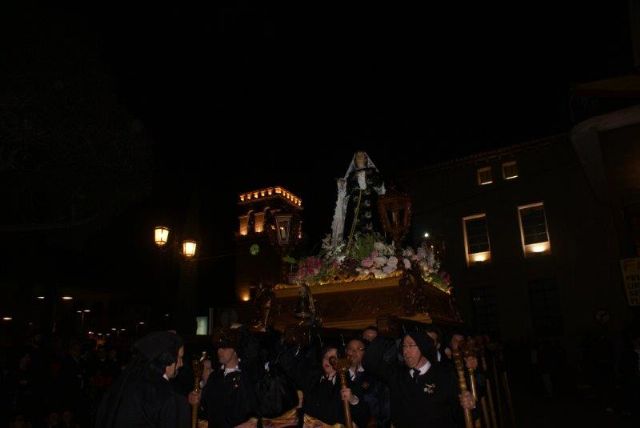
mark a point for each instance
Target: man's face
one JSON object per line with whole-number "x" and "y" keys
{"x": 355, "y": 352}
{"x": 411, "y": 352}
{"x": 369, "y": 335}
{"x": 326, "y": 362}
{"x": 226, "y": 355}
{"x": 171, "y": 371}
{"x": 456, "y": 340}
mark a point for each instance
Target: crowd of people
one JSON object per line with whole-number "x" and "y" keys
{"x": 271, "y": 379}
{"x": 55, "y": 383}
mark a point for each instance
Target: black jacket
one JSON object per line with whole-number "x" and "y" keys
{"x": 229, "y": 400}
{"x": 430, "y": 401}
{"x": 147, "y": 401}
{"x": 321, "y": 397}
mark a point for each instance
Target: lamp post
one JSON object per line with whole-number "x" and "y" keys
{"x": 186, "y": 250}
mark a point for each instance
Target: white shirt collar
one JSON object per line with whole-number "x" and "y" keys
{"x": 331, "y": 379}
{"x": 230, "y": 370}
{"x": 165, "y": 376}
{"x": 352, "y": 372}
{"x": 421, "y": 370}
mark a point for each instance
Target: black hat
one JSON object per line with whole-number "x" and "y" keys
{"x": 226, "y": 338}
{"x": 154, "y": 344}
{"x": 425, "y": 344}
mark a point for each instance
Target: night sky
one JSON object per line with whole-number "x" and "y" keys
{"x": 235, "y": 96}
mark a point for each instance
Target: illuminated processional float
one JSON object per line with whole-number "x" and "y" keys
{"x": 363, "y": 274}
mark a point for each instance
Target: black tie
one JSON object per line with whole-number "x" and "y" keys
{"x": 414, "y": 374}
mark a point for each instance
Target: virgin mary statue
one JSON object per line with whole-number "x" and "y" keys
{"x": 357, "y": 204}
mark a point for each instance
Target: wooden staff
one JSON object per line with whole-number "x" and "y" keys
{"x": 462, "y": 383}
{"x": 197, "y": 366}
{"x": 469, "y": 351}
{"x": 488, "y": 411}
{"x": 497, "y": 390}
{"x": 485, "y": 412}
{"x": 507, "y": 393}
{"x": 341, "y": 365}
{"x": 492, "y": 409}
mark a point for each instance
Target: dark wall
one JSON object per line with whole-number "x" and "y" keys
{"x": 513, "y": 296}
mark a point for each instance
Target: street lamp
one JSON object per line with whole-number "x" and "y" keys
{"x": 161, "y": 235}
{"x": 189, "y": 248}
{"x": 161, "y": 239}
{"x": 283, "y": 231}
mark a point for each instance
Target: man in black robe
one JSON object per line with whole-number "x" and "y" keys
{"x": 228, "y": 396}
{"x": 374, "y": 393}
{"x": 423, "y": 392}
{"x": 143, "y": 396}
{"x": 323, "y": 396}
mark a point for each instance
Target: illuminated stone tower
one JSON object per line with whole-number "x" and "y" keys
{"x": 269, "y": 227}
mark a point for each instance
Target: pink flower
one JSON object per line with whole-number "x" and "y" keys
{"x": 446, "y": 277}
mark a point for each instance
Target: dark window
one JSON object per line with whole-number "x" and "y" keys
{"x": 546, "y": 312}
{"x": 477, "y": 235}
{"x": 534, "y": 224}
{"x": 485, "y": 310}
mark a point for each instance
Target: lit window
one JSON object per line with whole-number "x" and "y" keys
{"x": 509, "y": 170}
{"x": 484, "y": 176}
{"x": 244, "y": 225}
{"x": 258, "y": 225}
{"x": 533, "y": 229}
{"x": 476, "y": 239}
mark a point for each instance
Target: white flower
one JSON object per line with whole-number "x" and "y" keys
{"x": 422, "y": 254}
{"x": 393, "y": 261}
{"x": 379, "y": 246}
{"x": 407, "y": 263}
{"x": 380, "y": 261}
{"x": 388, "y": 269}
{"x": 408, "y": 252}
{"x": 431, "y": 259}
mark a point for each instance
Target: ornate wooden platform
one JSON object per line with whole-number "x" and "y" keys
{"x": 358, "y": 304}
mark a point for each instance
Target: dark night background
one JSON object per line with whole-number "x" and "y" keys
{"x": 128, "y": 113}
